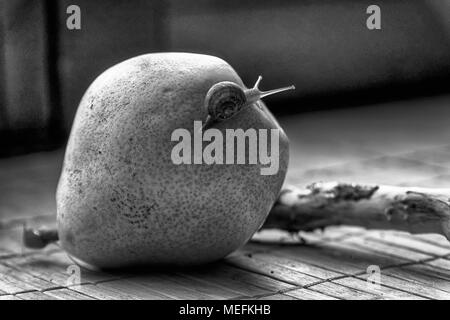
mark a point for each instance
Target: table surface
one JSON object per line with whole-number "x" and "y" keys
{"x": 404, "y": 143}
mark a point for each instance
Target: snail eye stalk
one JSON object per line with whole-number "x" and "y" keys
{"x": 254, "y": 94}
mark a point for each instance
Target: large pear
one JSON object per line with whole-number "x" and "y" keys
{"x": 121, "y": 201}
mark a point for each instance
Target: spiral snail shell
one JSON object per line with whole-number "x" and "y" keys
{"x": 226, "y": 99}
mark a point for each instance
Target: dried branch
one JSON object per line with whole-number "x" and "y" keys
{"x": 416, "y": 210}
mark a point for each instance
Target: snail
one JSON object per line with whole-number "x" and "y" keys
{"x": 226, "y": 99}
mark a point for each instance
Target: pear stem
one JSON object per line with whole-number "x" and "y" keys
{"x": 39, "y": 238}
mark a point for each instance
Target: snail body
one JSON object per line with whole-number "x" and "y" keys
{"x": 226, "y": 99}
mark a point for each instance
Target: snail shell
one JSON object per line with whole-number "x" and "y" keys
{"x": 224, "y": 100}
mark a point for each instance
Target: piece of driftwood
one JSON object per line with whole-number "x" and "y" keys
{"x": 415, "y": 210}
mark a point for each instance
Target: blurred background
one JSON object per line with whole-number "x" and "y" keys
{"x": 321, "y": 46}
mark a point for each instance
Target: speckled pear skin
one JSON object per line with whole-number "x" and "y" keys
{"x": 122, "y": 202}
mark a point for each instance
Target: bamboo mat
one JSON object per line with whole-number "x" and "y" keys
{"x": 331, "y": 264}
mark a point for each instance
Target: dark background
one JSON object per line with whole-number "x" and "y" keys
{"x": 322, "y": 46}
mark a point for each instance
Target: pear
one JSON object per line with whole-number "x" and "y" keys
{"x": 122, "y": 201}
